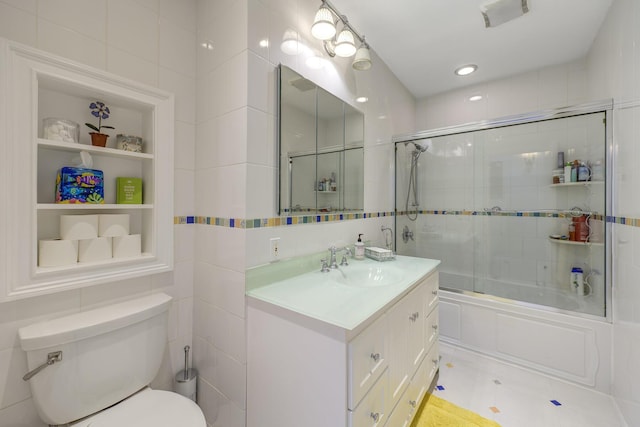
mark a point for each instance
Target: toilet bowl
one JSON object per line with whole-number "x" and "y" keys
{"x": 148, "y": 408}
{"x": 93, "y": 369}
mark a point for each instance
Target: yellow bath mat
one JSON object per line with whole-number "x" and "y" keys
{"x": 436, "y": 412}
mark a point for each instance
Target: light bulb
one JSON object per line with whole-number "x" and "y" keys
{"x": 323, "y": 27}
{"x": 345, "y": 44}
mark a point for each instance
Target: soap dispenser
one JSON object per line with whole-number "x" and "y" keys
{"x": 359, "y": 248}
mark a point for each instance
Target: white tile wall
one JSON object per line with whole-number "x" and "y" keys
{"x": 613, "y": 63}
{"x": 122, "y": 37}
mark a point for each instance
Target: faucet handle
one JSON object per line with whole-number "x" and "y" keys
{"x": 324, "y": 268}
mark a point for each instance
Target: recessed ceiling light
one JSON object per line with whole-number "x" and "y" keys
{"x": 362, "y": 99}
{"x": 475, "y": 98}
{"x": 466, "y": 69}
{"x": 207, "y": 45}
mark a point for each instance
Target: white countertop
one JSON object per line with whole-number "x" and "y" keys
{"x": 327, "y": 297}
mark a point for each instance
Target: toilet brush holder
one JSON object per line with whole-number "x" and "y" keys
{"x": 187, "y": 379}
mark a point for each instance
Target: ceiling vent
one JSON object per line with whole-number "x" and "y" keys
{"x": 500, "y": 11}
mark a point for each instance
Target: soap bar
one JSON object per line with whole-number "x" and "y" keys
{"x": 79, "y": 185}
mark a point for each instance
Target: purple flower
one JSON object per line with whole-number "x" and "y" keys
{"x": 101, "y": 111}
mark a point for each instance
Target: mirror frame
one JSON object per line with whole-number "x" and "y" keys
{"x": 284, "y": 192}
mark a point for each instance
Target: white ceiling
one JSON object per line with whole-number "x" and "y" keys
{"x": 423, "y": 41}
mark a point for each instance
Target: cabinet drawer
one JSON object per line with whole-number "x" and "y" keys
{"x": 431, "y": 286}
{"x": 431, "y": 328}
{"x": 373, "y": 410}
{"x": 431, "y": 363}
{"x": 367, "y": 356}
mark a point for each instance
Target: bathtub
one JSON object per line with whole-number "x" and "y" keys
{"x": 555, "y": 342}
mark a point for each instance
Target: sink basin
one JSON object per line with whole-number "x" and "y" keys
{"x": 369, "y": 275}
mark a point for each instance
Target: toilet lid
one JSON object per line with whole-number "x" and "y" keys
{"x": 149, "y": 408}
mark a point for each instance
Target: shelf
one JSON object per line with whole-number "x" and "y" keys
{"x": 574, "y": 243}
{"x": 577, "y": 184}
{"x": 327, "y": 191}
{"x": 76, "y": 148}
{"x": 90, "y": 206}
{"x": 40, "y": 85}
{"x": 89, "y": 265}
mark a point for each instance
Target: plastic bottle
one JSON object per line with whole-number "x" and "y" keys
{"x": 567, "y": 172}
{"x": 577, "y": 280}
{"x": 359, "y": 248}
{"x": 574, "y": 171}
{"x": 583, "y": 172}
{"x": 572, "y": 231}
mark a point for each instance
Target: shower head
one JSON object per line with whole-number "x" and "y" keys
{"x": 420, "y": 146}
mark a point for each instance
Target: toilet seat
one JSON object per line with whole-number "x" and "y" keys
{"x": 149, "y": 408}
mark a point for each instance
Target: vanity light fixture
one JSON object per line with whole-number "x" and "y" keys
{"x": 324, "y": 25}
{"x": 325, "y": 28}
{"x": 362, "y": 99}
{"x": 465, "y": 70}
{"x": 362, "y": 61}
{"x": 475, "y": 98}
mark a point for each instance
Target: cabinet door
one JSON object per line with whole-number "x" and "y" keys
{"x": 417, "y": 324}
{"x": 407, "y": 341}
{"x": 399, "y": 322}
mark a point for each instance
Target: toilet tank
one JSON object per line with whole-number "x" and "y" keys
{"x": 108, "y": 353}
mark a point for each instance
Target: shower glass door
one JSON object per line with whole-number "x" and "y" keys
{"x": 493, "y": 207}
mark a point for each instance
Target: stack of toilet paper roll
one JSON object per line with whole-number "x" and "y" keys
{"x": 89, "y": 238}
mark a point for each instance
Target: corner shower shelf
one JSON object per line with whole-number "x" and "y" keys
{"x": 577, "y": 184}
{"x": 574, "y": 243}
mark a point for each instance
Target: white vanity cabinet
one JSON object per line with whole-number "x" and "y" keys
{"x": 305, "y": 372}
{"x": 36, "y": 86}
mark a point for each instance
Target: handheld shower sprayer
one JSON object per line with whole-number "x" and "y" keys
{"x": 419, "y": 148}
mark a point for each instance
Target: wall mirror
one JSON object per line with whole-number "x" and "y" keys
{"x": 321, "y": 149}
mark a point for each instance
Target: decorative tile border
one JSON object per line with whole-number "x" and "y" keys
{"x": 284, "y": 221}
{"x": 277, "y": 221}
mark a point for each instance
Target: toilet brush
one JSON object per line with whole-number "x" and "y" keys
{"x": 187, "y": 379}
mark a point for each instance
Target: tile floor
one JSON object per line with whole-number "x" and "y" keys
{"x": 516, "y": 397}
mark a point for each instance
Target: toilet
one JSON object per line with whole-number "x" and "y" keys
{"x": 93, "y": 369}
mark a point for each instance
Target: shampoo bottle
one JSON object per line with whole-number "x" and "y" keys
{"x": 359, "y": 248}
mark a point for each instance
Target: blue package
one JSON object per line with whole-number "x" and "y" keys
{"x": 79, "y": 185}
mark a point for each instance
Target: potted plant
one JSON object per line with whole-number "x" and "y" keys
{"x": 101, "y": 111}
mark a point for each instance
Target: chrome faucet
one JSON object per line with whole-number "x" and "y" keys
{"x": 332, "y": 260}
{"x": 347, "y": 253}
{"x": 388, "y": 244}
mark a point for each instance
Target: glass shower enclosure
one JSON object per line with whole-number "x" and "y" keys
{"x": 514, "y": 208}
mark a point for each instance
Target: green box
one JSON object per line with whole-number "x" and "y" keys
{"x": 129, "y": 191}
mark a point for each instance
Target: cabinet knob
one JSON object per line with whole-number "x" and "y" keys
{"x": 413, "y": 403}
{"x": 414, "y": 316}
{"x": 434, "y": 292}
{"x": 435, "y": 327}
{"x": 375, "y": 356}
{"x": 375, "y": 416}
{"x": 435, "y": 361}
